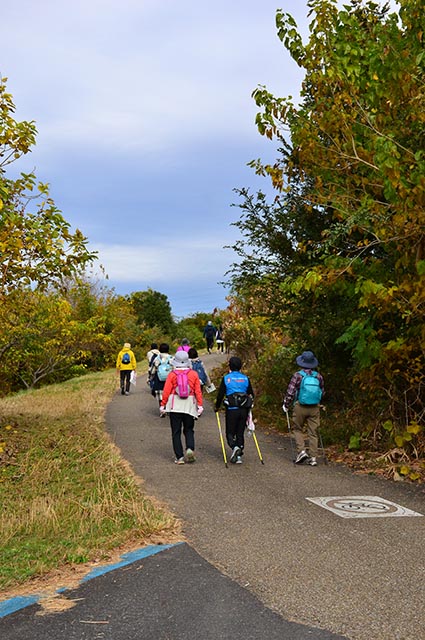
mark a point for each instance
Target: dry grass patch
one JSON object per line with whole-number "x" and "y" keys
{"x": 67, "y": 497}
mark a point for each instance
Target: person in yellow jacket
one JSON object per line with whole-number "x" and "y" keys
{"x": 126, "y": 363}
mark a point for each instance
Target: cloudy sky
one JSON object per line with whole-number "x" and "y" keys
{"x": 146, "y": 125}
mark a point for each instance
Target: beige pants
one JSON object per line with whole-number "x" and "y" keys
{"x": 308, "y": 416}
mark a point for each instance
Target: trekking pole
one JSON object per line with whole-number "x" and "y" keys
{"x": 250, "y": 425}
{"x": 258, "y": 448}
{"x": 290, "y": 437}
{"x": 322, "y": 448}
{"x": 321, "y": 406}
{"x": 221, "y": 438}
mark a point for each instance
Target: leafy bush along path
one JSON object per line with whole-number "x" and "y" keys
{"x": 254, "y": 523}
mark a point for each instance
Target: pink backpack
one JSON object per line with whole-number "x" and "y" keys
{"x": 183, "y": 389}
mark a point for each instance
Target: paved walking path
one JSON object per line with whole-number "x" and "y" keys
{"x": 363, "y": 577}
{"x": 173, "y": 595}
{"x": 260, "y": 561}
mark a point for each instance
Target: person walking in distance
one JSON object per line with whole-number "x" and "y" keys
{"x": 306, "y": 389}
{"x": 219, "y": 338}
{"x": 209, "y": 335}
{"x": 236, "y": 392}
{"x": 126, "y": 363}
{"x": 182, "y": 400}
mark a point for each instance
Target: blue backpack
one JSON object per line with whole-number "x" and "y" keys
{"x": 199, "y": 368}
{"x": 164, "y": 368}
{"x": 126, "y": 358}
{"x": 310, "y": 391}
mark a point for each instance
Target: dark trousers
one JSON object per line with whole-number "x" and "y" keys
{"x": 210, "y": 343}
{"x": 235, "y": 427}
{"x": 179, "y": 421}
{"x": 125, "y": 379}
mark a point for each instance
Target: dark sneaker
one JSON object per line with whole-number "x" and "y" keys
{"x": 312, "y": 462}
{"x": 239, "y": 460}
{"x": 301, "y": 457}
{"x": 235, "y": 453}
{"x": 122, "y": 392}
{"x": 190, "y": 456}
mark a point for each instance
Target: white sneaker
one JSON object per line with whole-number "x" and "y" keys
{"x": 238, "y": 460}
{"x": 190, "y": 455}
{"x": 301, "y": 457}
{"x": 312, "y": 462}
{"x": 235, "y": 453}
{"x": 179, "y": 461}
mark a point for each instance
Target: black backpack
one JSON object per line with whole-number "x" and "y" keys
{"x": 240, "y": 400}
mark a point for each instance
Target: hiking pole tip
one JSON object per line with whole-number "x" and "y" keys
{"x": 221, "y": 440}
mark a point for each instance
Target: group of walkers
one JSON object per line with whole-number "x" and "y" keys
{"x": 177, "y": 382}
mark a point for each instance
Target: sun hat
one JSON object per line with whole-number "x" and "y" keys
{"x": 181, "y": 360}
{"x": 127, "y": 345}
{"x": 307, "y": 360}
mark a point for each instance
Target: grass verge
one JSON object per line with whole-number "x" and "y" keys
{"x": 67, "y": 496}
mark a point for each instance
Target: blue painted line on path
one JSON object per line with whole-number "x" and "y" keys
{"x": 20, "y": 602}
{"x": 14, "y": 604}
{"x": 128, "y": 558}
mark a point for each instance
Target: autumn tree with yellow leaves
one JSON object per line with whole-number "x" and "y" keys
{"x": 39, "y": 254}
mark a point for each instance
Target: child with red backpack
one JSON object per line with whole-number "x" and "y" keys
{"x": 305, "y": 390}
{"x": 182, "y": 400}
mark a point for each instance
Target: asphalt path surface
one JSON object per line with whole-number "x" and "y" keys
{"x": 175, "y": 595}
{"x": 259, "y": 561}
{"x": 363, "y": 578}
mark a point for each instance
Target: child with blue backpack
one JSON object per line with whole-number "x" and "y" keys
{"x": 306, "y": 389}
{"x": 237, "y": 395}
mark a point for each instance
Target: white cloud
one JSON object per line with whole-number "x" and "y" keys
{"x": 174, "y": 261}
{"x": 143, "y": 75}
